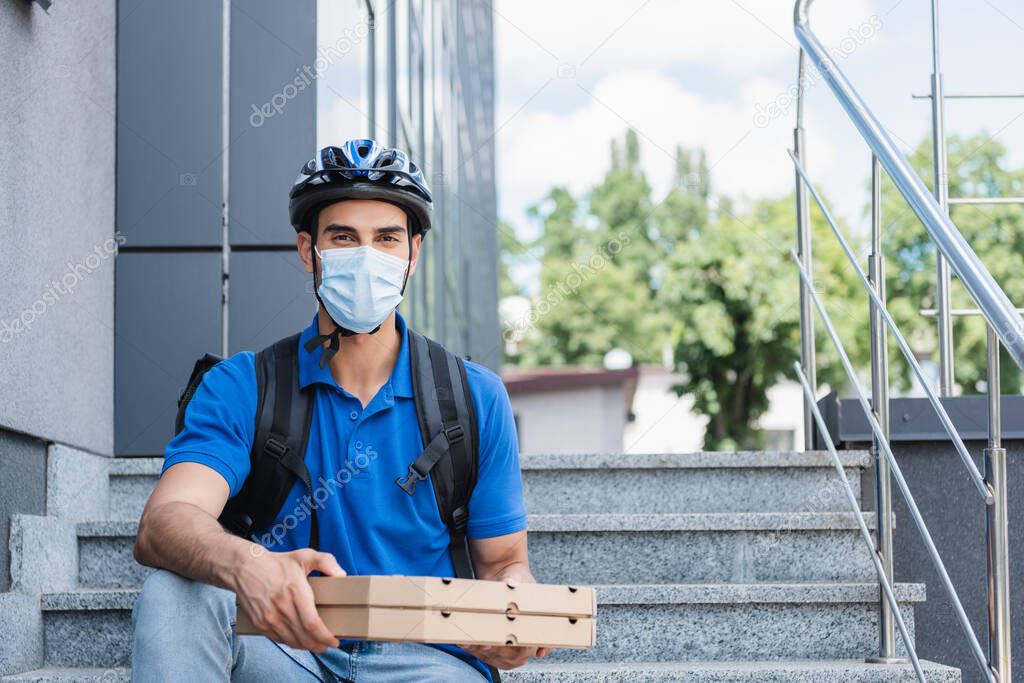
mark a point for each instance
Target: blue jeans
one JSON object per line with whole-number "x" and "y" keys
{"x": 184, "y": 630}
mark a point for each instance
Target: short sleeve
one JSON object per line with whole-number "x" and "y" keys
{"x": 496, "y": 506}
{"x": 220, "y": 421}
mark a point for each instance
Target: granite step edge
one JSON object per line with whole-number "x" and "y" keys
{"x": 96, "y": 599}
{"x": 656, "y": 521}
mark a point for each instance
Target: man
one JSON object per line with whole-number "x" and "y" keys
{"x": 360, "y": 212}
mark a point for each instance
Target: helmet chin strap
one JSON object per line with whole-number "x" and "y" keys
{"x": 339, "y": 330}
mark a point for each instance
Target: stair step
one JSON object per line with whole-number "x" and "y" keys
{"x": 828, "y": 671}
{"x": 105, "y": 555}
{"x": 131, "y": 481}
{"x": 745, "y": 481}
{"x": 613, "y": 548}
{"x": 698, "y": 547}
{"x": 681, "y": 622}
{"x": 837, "y": 671}
{"x": 71, "y": 675}
{"x": 688, "y": 482}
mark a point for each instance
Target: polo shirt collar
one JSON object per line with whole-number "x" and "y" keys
{"x": 309, "y": 361}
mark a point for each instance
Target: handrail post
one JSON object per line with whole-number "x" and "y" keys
{"x": 997, "y": 525}
{"x": 803, "y": 241}
{"x": 940, "y": 165}
{"x": 880, "y": 405}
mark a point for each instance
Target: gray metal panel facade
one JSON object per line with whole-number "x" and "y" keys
{"x": 169, "y": 111}
{"x": 168, "y": 315}
{"x": 273, "y": 102}
{"x": 273, "y": 114}
{"x": 271, "y": 297}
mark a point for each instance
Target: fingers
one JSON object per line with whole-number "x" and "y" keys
{"x": 310, "y": 623}
{"x": 325, "y": 563}
{"x": 275, "y": 626}
{"x": 502, "y": 657}
{"x": 288, "y": 614}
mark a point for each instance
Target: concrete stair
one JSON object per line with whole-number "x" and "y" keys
{"x": 708, "y": 567}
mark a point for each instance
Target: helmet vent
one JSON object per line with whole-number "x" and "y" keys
{"x": 363, "y": 150}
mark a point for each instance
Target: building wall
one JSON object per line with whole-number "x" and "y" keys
{"x": 664, "y": 422}
{"x": 57, "y": 221}
{"x": 219, "y": 113}
{"x": 147, "y": 151}
{"x": 581, "y": 420}
{"x": 57, "y": 227}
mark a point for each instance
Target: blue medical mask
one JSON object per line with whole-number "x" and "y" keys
{"x": 360, "y": 286}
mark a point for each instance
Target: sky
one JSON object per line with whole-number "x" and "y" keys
{"x": 719, "y": 74}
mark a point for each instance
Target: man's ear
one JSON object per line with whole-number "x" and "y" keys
{"x": 415, "y": 244}
{"x": 304, "y": 243}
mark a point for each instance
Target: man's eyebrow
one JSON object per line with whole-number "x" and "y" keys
{"x": 334, "y": 227}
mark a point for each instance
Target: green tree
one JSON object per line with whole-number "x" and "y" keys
{"x": 597, "y": 260}
{"x": 588, "y": 301}
{"x": 512, "y": 250}
{"x": 622, "y": 205}
{"x": 977, "y": 166}
{"x": 693, "y": 272}
{"x": 731, "y": 290}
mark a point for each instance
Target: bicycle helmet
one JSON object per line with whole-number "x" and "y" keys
{"x": 360, "y": 169}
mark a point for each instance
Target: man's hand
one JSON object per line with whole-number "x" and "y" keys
{"x": 508, "y": 656}
{"x": 505, "y": 656}
{"x": 273, "y": 590}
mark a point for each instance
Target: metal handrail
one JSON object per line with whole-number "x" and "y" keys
{"x": 1005, "y": 327}
{"x": 904, "y": 346}
{"x": 991, "y": 299}
{"x": 851, "y": 497}
{"x": 897, "y": 474}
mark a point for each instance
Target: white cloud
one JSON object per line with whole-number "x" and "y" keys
{"x": 740, "y": 111}
{"x": 539, "y": 149}
{"x": 741, "y": 37}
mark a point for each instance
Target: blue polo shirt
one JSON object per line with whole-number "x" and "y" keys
{"x": 354, "y": 454}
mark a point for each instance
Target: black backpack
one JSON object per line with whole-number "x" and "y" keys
{"x": 447, "y": 422}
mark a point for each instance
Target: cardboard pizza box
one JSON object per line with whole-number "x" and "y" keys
{"x": 463, "y": 595}
{"x": 442, "y": 626}
{"x": 437, "y": 610}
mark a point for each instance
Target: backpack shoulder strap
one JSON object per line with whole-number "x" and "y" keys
{"x": 277, "y": 458}
{"x": 198, "y": 372}
{"x": 448, "y": 425}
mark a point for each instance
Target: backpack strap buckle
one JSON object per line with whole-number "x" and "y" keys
{"x": 408, "y": 482}
{"x": 460, "y": 518}
{"x": 275, "y": 447}
{"x": 454, "y": 433}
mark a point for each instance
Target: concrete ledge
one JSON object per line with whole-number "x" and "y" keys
{"x": 44, "y": 554}
{"x": 710, "y": 521}
{"x": 699, "y": 460}
{"x": 135, "y": 467}
{"x": 76, "y": 483}
{"x": 21, "y": 624}
{"x": 108, "y": 528}
{"x": 641, "y": 594}
{"x": 66, "y": 675}
{"x": 87, "y": 600}
{"x": 834, "y": 671}
{"x": 738, "y": 593}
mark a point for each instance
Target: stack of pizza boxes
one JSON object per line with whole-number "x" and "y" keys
{"x": 428, "y": 609}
